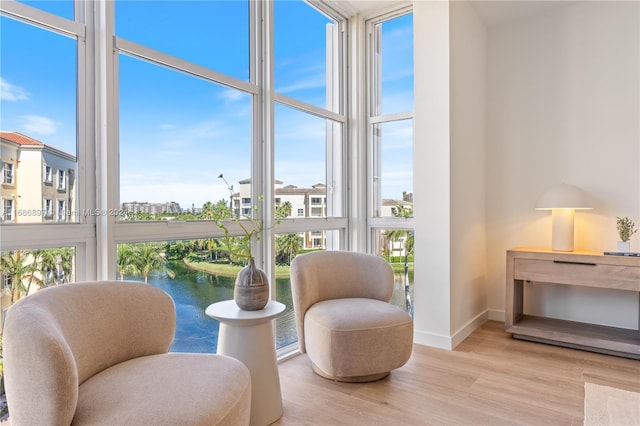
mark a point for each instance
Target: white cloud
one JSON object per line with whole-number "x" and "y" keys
{"x": 39, "y": 125}
{"x": 310, "y": 82}
{"x": 9, "y": 92}
{"x": 233, "y": 95}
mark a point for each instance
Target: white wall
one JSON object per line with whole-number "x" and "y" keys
{"x": 502, "y": 113}
{"x": 468, "y": 170}
{"x": 449, "y": 172}
{"x": 563, "y": 106}
{"x": 432, "y": 304}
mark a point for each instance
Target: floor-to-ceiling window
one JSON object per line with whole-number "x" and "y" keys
{"x": 308, "y": 150}
{"x": 215, "y": 122}
{"x": 46, "y": 237}
{"x": 155, "y": 120}
{"x": 187, "y": 105}
{"x": 390, "y": 146}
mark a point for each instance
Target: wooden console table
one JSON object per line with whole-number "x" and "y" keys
{"x": 585, "y": 269}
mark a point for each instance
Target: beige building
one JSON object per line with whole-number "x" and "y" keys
{"x": 312, "y": 203}
{"x": 37, "y": 181}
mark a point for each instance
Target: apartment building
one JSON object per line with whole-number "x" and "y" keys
{"x": 38, "y": 181}
{"x": 312, "y": 203}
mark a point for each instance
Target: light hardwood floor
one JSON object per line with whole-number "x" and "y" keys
{"x": 489, "y": 379}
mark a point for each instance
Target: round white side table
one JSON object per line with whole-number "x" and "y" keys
{"x": 248, "y": 337}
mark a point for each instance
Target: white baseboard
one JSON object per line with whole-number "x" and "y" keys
{"x": 496, "y": 315}
{"x": 469, "y": 327}
{"x": 432, "y": 339}
{"x": 450, "y": 342}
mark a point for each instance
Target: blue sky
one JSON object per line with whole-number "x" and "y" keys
{"x": 178, "y": 132}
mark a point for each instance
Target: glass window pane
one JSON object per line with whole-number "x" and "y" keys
{"x": 396, "y": 246}
{"x": 397, "y": 64}
{"x": 303, "y": 145}
{"x": 38, "y": 112}
{"x": 306, "y": 69}
{"x": 288, "y": 246}
{"x": 63, "y": 8}
{"x": 393, "y": 177}
{"x": 177, "y": 135}
{"x": 23, "y": 272}
{"x": 214, "y": 34}
{"x": 195, "y": 273}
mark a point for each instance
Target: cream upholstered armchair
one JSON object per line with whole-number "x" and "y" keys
{"x": 97, "y": 353}
{"x": 344, "y": 321}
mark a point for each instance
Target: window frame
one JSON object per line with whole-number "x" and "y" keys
{"x": 374, "y": 118}
{"x": 94, "y": 238}
{"x": 81, "y": 235}
{"x": 47, "y": 207}
{"x": 61, "y": 180}
{"x": 61, "y": 210}
{"x": 8, "y": 173}
{"x": 260, "y": 85}
{"x": 8, "y": 203}
{"x": 338, "y": 166}
{"x": 48, "y": 174}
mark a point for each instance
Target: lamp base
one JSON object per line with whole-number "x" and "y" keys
{"x": 562, "y": 229}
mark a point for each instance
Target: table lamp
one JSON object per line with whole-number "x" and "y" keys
{"x": 562, "y": 200}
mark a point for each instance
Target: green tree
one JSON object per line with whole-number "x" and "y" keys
{"x": 64, "y": 256}
{"x": 126, "y": 260}
{"x": 394, "y": 235}
{"x": 20, "y": 267}
{"x": 219, "y": 210}
{"x": 403, "y": 211}
{"x": 148, "y": 259}
{"x": 47, "y": 264}
{"x": 178, "y": 249}
{"x": 283, "y": 210}
{"x": 287, "y": 247}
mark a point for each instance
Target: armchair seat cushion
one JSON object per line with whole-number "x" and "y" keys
{"x": 167, "y": 389}
{"x": 357, "y": 337}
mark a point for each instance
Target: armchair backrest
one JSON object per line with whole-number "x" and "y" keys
{"x": 323, "y": 275}
{"x": 59, "y": 337}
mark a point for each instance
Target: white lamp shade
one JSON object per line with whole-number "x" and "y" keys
{"x": 563, "y": 197}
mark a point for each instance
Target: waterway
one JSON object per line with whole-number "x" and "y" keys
{"x": 193, "y": 291}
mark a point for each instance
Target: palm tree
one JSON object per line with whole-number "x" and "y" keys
{"x": 148, "y": 259}
{"x": 126, "y": 260}
{"x": 19, "y": 267}
{"x": 178, "y": 249}
{"x": 403, "y": 211}
{"x": 283, "y": 210}
{"x": 287, "y": 247}
{"x": 47, "y": 263}
{"x": 219, "y": 210}
{"x": 66, "y": 263}
{"x": 391, "y": 236}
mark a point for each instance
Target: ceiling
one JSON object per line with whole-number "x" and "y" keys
{"x": 492, "y": 12}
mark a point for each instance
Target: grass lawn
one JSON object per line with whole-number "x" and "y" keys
{"x": 227, "y": 269}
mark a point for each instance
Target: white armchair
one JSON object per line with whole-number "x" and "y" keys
{"x": 343, "y": 319}
{"x": 96, "y": 353}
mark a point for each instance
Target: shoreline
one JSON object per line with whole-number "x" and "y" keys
{"x": 227, "y": 270}
{"x": 231, "y": 270}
